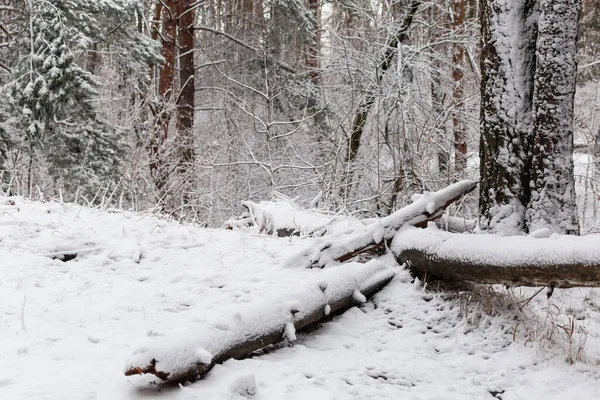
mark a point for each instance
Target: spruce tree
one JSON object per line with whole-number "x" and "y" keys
{"x": 53, "y": 94}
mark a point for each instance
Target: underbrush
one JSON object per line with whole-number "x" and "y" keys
{"x": 553, "y": 323}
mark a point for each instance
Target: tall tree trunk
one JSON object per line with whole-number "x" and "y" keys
{"x": 458, "y": 55}
{"x": 166, "y": 10}
{"x": 312, "y": 53}
{"x": 507, "y": 69}
{"x": 437, "y": 97}
{"x": 552, "y": 203}
{"x": 185, "y": 101}
{"x": 313, "y": 65}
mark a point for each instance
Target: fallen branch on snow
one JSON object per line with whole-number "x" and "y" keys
{"x": 374, "y": 237}
{"x": 280, "y": 218}
{"x": 193, "y": 354}
{"x": 557, "y": 261}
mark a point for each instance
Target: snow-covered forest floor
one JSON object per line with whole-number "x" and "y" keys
{"x": 68, "y": 327}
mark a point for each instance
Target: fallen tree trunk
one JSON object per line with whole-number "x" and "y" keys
{"x": 193, "y": 354}
{"x": 374, "y": 237}
{"x": 281, "y": 218}
{"x": 556, "y": 261}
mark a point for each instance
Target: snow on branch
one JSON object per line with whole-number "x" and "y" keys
{"x": 558, "y": 261}
{"x": 374, "y": 237}
{"x": 192, "y": 354}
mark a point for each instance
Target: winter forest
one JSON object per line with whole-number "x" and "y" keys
{"x": 351, "y": 106}
{"x": 292, "y": 199}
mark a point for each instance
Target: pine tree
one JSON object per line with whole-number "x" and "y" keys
{"x": 53, "y": 97}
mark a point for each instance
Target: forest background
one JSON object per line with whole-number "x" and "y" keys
{"x": 190, "y": 107}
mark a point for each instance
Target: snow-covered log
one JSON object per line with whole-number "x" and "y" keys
{"x": 535, "y": 260}
{"x": 374, "y": 237}
{"x": 193, "y": 353}
{"x": 280, "y": 218}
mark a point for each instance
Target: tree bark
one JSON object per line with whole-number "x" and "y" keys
{"x": 437, "y": 96}
{"x": 312, "y": 53}
{"x": 185, "y": 102}
{"x": 458, "y": 55}
{"x": 175, "y": 361}
{"x": 167, "y": 11}
{"x": 507, "y": 68}
{"x": 443, "y": 158}
{"x": 552, "y": 204}
{"x": 564, "y": 262}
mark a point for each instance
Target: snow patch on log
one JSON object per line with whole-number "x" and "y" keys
{"x": 456, "y": 224}
{"x": 289, "y": 332}
{"x": 359, "y": 297}
{"x": 192, "y": 353}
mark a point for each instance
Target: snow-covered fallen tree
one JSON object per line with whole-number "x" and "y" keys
{"x": 280, "y": 218}
{"x": 374, "y": 237}
{"x": 193, "y": 353}
{"x": 557, "y": 261}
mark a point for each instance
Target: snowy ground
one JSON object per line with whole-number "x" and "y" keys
{"x": 67, "y": 328}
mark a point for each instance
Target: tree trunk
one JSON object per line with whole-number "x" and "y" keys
{"x": 507, "y": 68}
{"x": 178, "y": 361}
{"x": 438, "y": 96}
{"x": 185, "y": 102}
{"x": 458, "y": 55}
{"x": 312, "y": 53}
{"x": 552, "y": 203}
{"x": 167, "y": 10}
{"x": 565, "y": 261}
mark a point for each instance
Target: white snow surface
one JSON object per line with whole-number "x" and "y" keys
{"x": 67, "y": 328}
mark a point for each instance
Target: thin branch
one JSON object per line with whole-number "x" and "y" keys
{"x": 5, "y": 67}
{"x": 228, "y": 36}
{"x": 115, "y": 28}
{"x": 248, "y": 46}
{"x": 589, "y": 65}
{"x": 209, "y": 64}
{"x": 192, "y": 7}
